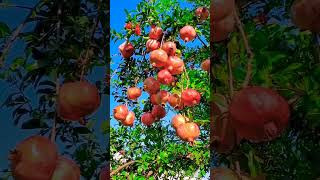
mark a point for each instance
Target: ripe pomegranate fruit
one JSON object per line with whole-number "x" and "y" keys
{"x": 188, "y": 33}
{"x": 190, "y": 97}
{"x": 137, "y": 30}
{"x": 188, "y": 131}
{"x": 155, "y": 32}
{"x": 306, "y": 14}
{"x": 105, "y": 173}
{"x": 77, "y": 99}
{"x": 155, "y": 99}
{"x": 152, "y": 45}
{"x": 175, "y": 65}
{"x": 177, "y": 120}
{"x": 66, "y": 169}
{"x": 175, "y": 101}
{"x": 129, "y": 120}
{"x": 221, "y": 29}
{"x": 158, "y": 58}
{"x": 151, "y": 85}
{"x": 259, "y": 114}
{"x": 158, "y": 112}
{"x": 126, "y": 49}
{"x": 134, "y": 93}
{"x": 205, "y": 65}
{"x": 170, "y": 48}
{"x": 120, "y": 112}
{"x": 221, "y": 9}
{"x": 128, "y": 26}
{"x": 147, "y": 119}
{"x": 165, "y": 77}
{"x": 160, "y": 98}
{"x": 202, "y": 13}
{"x": 223, "y": 173}
{"x": 34, "y": 158}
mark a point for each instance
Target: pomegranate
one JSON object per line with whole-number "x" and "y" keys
{"x": 259, "y": 114}
{"x": 205, "y": 65}
{"x": 165, "y": 77}
{"x": 152, "y": 45}
{"x": 158, "y": 112}
{"x": 306, "y": 14}
{"x": 188, "y": 33}
{"x": 170, "y": 48}
{"x": 120, "y": 112}
{"x": 177, "y": 120}
{"x": 190, "y": 97}
{"x": 158, "y": 58}
{"x": 155, "y": 32}
{"x": 137, "y": 30}
{"x": 221, "y": 8}
{"x": 77, "y": 99}
{"x": 129, "y": 120}
{"x": 160, "y": 98}
{"x": 202, "y": 13}
{"x": 128, "y": 26}
{"x": 223, "y": 173}
{"x": 175, "y": 65}
{"x": 147, "y": 119}
{"x": 66, "y": 169}
{"x": 126, "y": 49}
{"x": 105, "y": 173}
{"x": 221, "y": 29}
{"x": 188, "y": 131}
{"x": 155, "y": 99}
{"x": 151, "y": 85}
{"x": 134, "y": 93}
{"x": 175, "y": 101}
{"x": 34, "y": 159}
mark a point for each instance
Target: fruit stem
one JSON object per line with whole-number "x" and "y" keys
{"x": 162, "y": 40}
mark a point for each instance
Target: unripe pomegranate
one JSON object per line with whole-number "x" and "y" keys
{"x": 152, "y": 45}
{"x": 164, "y": 77}
{"x": 151, "y": 85}
{"x": 147, "y": 119}
{"x": 175, "y": 65}
{"x": 259, "y": 114}
{"x": 155, "y": 32}
{"x": 137, "y": 30}
{"x": 34, "y": 159}
{"x": 158, "y": 112}
{"x": 126, "y": 49}
{"x": 120, "y": 112}
{"x": 222, "y": 28}
{"x": 305, "y": 14}
{"x": 66, "y": 169}
{"x": 175, "y": 101}
{"x": 221, "y": 9}
{"x": 190, "y": 97}
{"x": 205, "y": 65}
{"x": 223, "y": 173}
{"x": 105, "y": 173}
{"x": 188, "y": 33}
{"x": 188, "y": 131}
{"x": 129, "y": 120}
{"x": 134, "y": 93}
{"x": 158, "y": 58}
{"x": 177, "y": 120}
{"x": 170, "y": 48}
{"x": 77, "y": 99}
{"x": 202, "y": 13}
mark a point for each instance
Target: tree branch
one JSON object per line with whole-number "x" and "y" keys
{"x": 5, "y": 5}
{"x": 121, "y": 167}
{"x": 205, "y": 45}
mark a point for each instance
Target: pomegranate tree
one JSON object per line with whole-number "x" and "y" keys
{"x": 129, "y": 120}
{"x": 175, "y": 101}
{"x": 305, "y": 14}
{"x": 177, "y": 120}
{"x": 158, "y": 112}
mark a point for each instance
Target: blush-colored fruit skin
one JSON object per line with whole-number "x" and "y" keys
{"x": 190, "y": 97}
{"x": 134, "y": 93}
{"x": 128, "y": 26}
{"x": 160, "y": 98}
{"x": 77, "y": 99}
{"x": 129, "y": 120}
{"x": 155, "y": 99}
{"x": 170, "y": 48}
{"x": 137, "y": 30}
{"x": 165, "y": 77}
{"x": 147, "y": 119}
{"x": 205, "y": 65}
{"x": 175, "y": 101}
{"x": 188, "y": 33}
{"x": 158, "y": 112}
{"x": 202, "y": 13}
{"x": 120, "y": 112}
{"x": 221, "y": 29}
{"x": 158, "y": 58}
{"x": 156, "y": 33}
{"x": 220, "y": 173}
{"x": 220, "y": 9}
{"x": 259, "y": 114}
{"x": 105, "y": 173}
{"x": 306, "y": 15}
{"x": 126, "y": 49}
{"x": 66, "y": 169}
{"x": 188, "y": 131}
{"x": 177, "y": 120}
{"x": 151, "y": 85}
{"x": 34, "y": 158}
{"x": 175, "y": 65}
{"x": 152, "y": 45}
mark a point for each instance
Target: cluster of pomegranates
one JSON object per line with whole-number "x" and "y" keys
{"x": 37, "y": 158}
{"x": 306, "y": 14}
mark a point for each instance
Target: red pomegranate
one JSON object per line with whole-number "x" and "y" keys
{"x": 188, "y": 33}
{"x": 205, "y": 65}
{"x": 155, "y": 99}
{"x": 120, "y": 112}
{"x": 175, "y": 101}
{"x": 221, "y": 9}
{"x": 306, "y": 14}
{"x": 158, "y": 58}
{"x": 128, "y": 26}
{"x": 177, "y": 120}
{"x": 151, "y": 85}
{"x": 175, "y": 65}
{"x": 134, "y": 93}
{"x": 259, "y": 114}
{"x": 221, "y": 29}
{"x": 137, "y": 30}
{"x": 129, "y": 120}
{"x": 188, "y": 131}
{"x": 170, "y": 48}
{"x": 77, "y": 99}
{"x": 165, "y": 77}
{"x": 202, "y": 13}
{"x": 155, "y": 32}
{"x": 147, "y": 119}
{"x": 66, "y": 169}
{"x": 223, "y": 174}
{"x": 126, "y": 49}
{"x": 190, "y": 97}
{"x": 152, "y": 45}
{"x": 160, "y": 98}
{"x": 105, "y": 173}
{"x": 34, "y": 158}
{"x": 158, "y": 112}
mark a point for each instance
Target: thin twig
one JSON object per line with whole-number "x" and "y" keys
{"x": 205, "y": 45}
{"x": 230, "y": 72}
{"x": 162, "y": 40}
{"x": 122, "y": 167}
{"x": 4, "y": 5}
